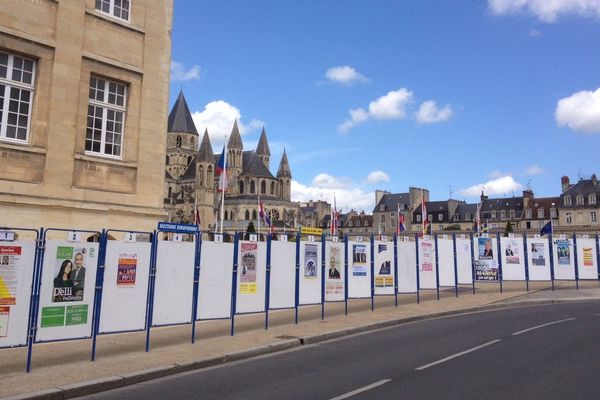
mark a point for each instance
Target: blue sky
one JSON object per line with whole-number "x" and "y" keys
{"x": 390, "y": 94}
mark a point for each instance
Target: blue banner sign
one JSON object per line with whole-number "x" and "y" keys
{"x": 177, "y": 228}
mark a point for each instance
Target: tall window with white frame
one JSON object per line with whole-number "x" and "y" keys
{"x": 17, "y": 78}
{"x": 115, "y": 8}
{"x": 106, "y": 117}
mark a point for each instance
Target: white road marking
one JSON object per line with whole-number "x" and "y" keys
{"x": 362, "y": 389}
{"x": 542, "y": 326}
{"x": 462, "y": 353}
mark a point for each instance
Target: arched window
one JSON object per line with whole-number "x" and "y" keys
{"x": 192, "y": 143}
{"x": 579, "y": 200}
{"x": 592, "y": 199}
{"x": 178, "y": 141}
{"x": 247, "y": 215}
{"x": 201, "y": 175}
{"x": 253, "y": 215}
{"x": 241, "y": 187}
{"x": 568, "y": 201}
{"x": 170, "y": 191}
{"x": 252, "y": 187}
{"x": 272, "y": 188}
{"x": 209, "y": 173}
{"x": 167, "y": 160}
{"x": 263, "y": 187}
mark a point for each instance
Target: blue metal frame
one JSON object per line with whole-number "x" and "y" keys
{"x": 297, "y": 283}
{"x": 196, "y": 288}
{"x": 473, "y": 263}
{"x": 455, "y": 264}
{"x": 372, "y": 272}
{"x": 396, "y": 270}
{"x": 598, "y": 256}
{"x": 346, "y": 274}
{"x": 151, "y": 284}
{"x": 322, "y": 276}
{"x": 417, "y": 267}
{"x": 437, "y": 267}
{"x": 499, "y": 249}
{"x": 551, "y": 251}
{"x": 268, "y": 281}
{"x": 525, "y": 254}
{"x": 576, "y": 262}
{"x": 234, "y": 281}
{"x": 98, "y": 294}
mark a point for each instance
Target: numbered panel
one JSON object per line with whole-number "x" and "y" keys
{"x": 283, "y": 275}
{"x": 384, "y": 267}
{"x": 310, "y": 272}
{"x": 252, "y": 263}
{"x": 335, "y": 272}
{"x": 216, "y": 274}
{"x": 513, "y": 259}
{"x": 359, "y": 269}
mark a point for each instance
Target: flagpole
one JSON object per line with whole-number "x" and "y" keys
{"x": 258, "y": 214}
{"x": 225, "y": 185}
{"x": 423, "y": 212}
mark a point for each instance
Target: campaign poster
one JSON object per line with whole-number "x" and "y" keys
{"x": 383, "y": 276}
{"x": 69, "y": 273}
{"x": 64, "y": 316}
{"x": 427, "y": 256}
{"x": 588, "y": 257}
{"x": 486, "y": 266}
{"x": 538, "y": 257}
{"x": 9, "y": 274}
{"x": 563, "y": 250}
{"x": 4, "y": 316}
{"x": 248, "y": 268}
{"x": 310, "y": 260}
{"x": 359, "y": 260}
{"x": 511, "y": 252}
{"x": 126, "y": 270}
{"x": 334, "y": 282}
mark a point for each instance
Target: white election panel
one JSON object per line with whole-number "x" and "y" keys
{"x": 125, "y": 287}
{"x": 446, "y": 262}
{"x": 564, "y": 259}
{"x": 464, "y": 261}
{"x": 427, "y": 277}
{"x": 407, "y": 267}
{"x": 67, "y": 298}
{"x": 310, "y": 273}
{"x": 283, "y": 275}
{"x": 384, "y": 267}
{"x": 538, "y": 256}
{"x": 334, "y": 277}
{"x": 486, "y": 259}
{"x": 174, "y": 287}
{"x": 214, "y": 287}
{"x": 16, "y": 273}
{"x": 359, "y": 269}
{"x": 513, "y": 259}
{"x": 586, "y": 259}
{"x": 252, "y": 266}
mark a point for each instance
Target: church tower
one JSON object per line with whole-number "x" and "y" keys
{"x": 235, "y": 150}
{"x": 205, "y": 188}
{"x": 182, "y": 138}
{"x": 284, "y": 175}
{"x": 262, "y": 149}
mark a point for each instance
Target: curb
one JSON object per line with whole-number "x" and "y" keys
{"x": 114, "y": 382}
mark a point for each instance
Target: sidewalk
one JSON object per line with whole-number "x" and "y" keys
{"x": 62, "y": 364}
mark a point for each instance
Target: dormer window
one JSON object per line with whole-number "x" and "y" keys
{"x": 540, "y": 213}
{"x": 592, "y": 199}
{"x": 568, "y": 201}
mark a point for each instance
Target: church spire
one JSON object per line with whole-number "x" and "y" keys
{"x": 235, "y": 139}
{"x": 180, "y": 118}
{"x": 263, "y": 146}
{"x": 205, "y": 154}
{"x": 284, "y": 167}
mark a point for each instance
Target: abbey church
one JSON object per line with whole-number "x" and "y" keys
{"x": 190, "y": 178}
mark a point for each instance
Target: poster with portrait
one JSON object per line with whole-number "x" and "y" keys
{"x": 334, "y": 277}
{"x": 248, "y": 268}
{"x": 426, "y": 256}
{"x": 563, "y": 252}
{"x": 311, "y": 261}
{"x": 126, "y": 269}
{"x": 69, "y": 273}
{"x": 511, "y": 251}
{"x": 538, "y": 254}
{"x": 9, "y": 274}
{"x": 486, "y": 264}
{"x": 359, "y": 260}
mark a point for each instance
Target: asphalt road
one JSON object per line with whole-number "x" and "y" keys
{"x": 538, "y": 352}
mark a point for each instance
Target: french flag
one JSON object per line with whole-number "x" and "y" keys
{"x": 263, "y": 215}
{"x": 401, "y": 226}
{"x": 222, "y": 171}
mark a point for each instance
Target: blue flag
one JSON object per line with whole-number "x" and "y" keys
{"x": 546, "y": 229}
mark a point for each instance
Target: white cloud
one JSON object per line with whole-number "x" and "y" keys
{"x": 504, "y": 185}
{"x": 180, "y": 74}
{"x": 580, "y": 111}
{"x": 218, "y": 117}
{"x": 534, "y": 170}
{"x": 326, "y": 181}
{"x": 349, "y": 197}
{"x": 345, "y": 75}
{"x": 377, "y": 176}
{"x": 393, "y": 105}
{"x": 429, "y": 113}
{"x": 546, "y": 10}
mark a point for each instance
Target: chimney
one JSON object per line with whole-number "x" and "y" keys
{"x": 483, "y": 197}
{"x": 527, "y": 197}
{"x": 379, "y": 195}
{"x": 564, "y": 182}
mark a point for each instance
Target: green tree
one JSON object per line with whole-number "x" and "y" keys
{"x": 508, "y": 229}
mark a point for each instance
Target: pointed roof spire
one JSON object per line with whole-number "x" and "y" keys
{"x": 205, "y": 153}
{"x": 180, "y": 118}
{"x": 235, "y": 139}
{"x": 263, "y": 146}
{"x": 284, "y": 167}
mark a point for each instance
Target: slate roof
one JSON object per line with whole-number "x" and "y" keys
{"x": 235, "y": 140}
{"x": 253, "y": 166}
{"x": 584, "y": 187}
{"x": 284, "y": 167}
{"x": 263, "y": 146}
{"x": 168, "y": 176}
{"x": 190, "y": 172}
{"x": 463, "y": 209}
{"x": 506, "y": 203}
{"x": 391, "y": 201}
{"x": 205, "y": 153}
{"x": 180, "y": 118}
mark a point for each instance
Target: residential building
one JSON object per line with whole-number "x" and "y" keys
{"x": 385, "y": 212}
{"x": 578, "y": 204}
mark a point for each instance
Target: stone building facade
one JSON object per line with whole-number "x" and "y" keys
{"x": 190, "y": 178}
{"x": 84, "y": 88}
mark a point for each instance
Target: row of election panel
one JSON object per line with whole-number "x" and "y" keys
{"x": 54, "y": 289}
